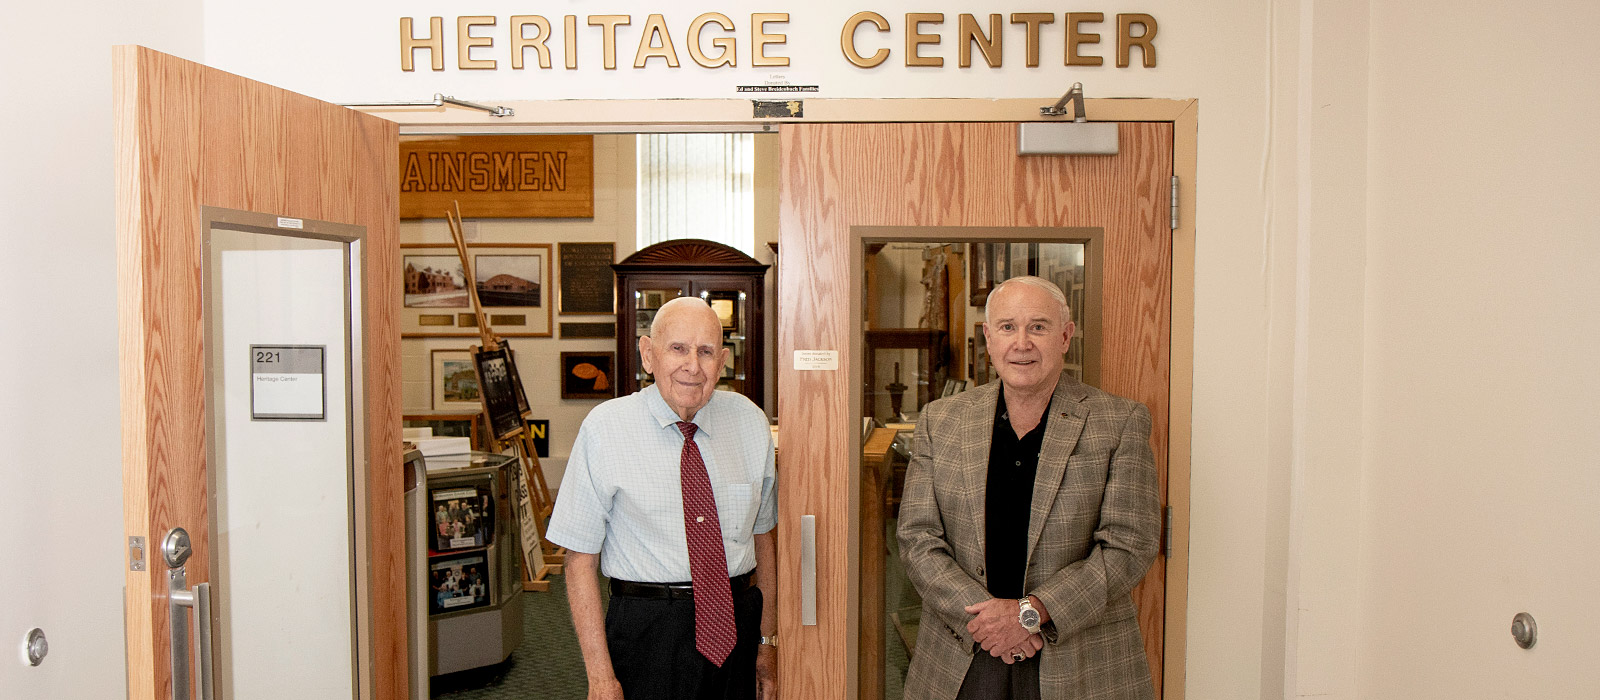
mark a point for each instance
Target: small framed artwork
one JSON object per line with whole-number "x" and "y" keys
{"x": 642, "y": 318}
{"x": 726, "y": 304}
{"x": 588, "y": 375}
{"x": 459, "y": 582}
{"x": 455, "y": 382}
{"x": 513, "y": 286}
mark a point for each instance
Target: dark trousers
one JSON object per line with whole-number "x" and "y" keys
{"x": 653, "y": 654}
{"x": 989, "y": 678}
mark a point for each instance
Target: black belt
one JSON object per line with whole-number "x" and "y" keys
{"x": 673, "y": 591}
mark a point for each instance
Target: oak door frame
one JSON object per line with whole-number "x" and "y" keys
{"x": 645, "y": 116}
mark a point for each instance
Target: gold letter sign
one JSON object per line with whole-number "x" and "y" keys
{"x": 497, "y": 177}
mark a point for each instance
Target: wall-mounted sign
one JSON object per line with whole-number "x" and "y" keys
{"x": 715, "y": 40}
{"x": 494, "y": 176}
{"x": 287, "y": 382}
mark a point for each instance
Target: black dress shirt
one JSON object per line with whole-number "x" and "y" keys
{"x": 1008, "y": 501}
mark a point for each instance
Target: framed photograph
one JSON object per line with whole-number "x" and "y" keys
{"x": 434, "y": 282}
{"x": 455, "y": 382}
{"x": 495, "y": 380}
{"x": 726, "y": 304}
{"x": 588, "y": 375}
{"x": 588, "y": 286}
{"x": 462, "y": 517}
{"x": 459, "y": 582}
{"x": 513, "y": 284}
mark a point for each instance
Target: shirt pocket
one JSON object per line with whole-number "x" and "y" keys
{"x": 736, "y": 509}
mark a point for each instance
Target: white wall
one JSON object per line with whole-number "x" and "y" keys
{"x": 60, "y": 464}
{"x": 1480, "y": 477}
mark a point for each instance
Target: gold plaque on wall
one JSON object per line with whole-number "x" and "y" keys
{"x": 497, "y": 176}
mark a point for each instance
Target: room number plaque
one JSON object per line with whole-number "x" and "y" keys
{"x": 287, "y": 382}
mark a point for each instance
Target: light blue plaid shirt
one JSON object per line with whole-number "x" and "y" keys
{"x": 622, "y": 494}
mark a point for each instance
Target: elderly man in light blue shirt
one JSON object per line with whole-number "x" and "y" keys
{"x": 671, "y": 492}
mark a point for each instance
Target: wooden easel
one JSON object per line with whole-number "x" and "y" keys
{"x": 534, "y": 573}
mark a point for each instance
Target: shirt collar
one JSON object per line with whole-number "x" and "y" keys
{"x": 668, "y": 417}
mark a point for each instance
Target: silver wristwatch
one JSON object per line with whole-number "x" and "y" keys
{"x": 1027, "y": 615}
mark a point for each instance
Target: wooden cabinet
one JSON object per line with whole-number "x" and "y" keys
{"x": 730, "y": 281}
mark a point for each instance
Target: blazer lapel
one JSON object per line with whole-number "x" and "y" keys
{"x": 1067, "y": 416}
{"x": 978, "y": 430}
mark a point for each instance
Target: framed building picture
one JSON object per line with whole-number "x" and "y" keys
{"x": 588, "y": 285}
{"x": 588, "y": 375}
{"x": 513, "y": 285}
{"x": 455, "y": 382}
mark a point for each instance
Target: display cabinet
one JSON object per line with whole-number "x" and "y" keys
{"x": 472, "y": 567}
{"x": 730, "y": 281}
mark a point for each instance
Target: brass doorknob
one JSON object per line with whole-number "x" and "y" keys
{"x": 1524, "y": 630}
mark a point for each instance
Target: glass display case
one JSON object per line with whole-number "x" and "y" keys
{"x": 731, "y": 282}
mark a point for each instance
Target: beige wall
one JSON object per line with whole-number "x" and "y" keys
{"x": 538, "y": 359}
{"x": 60, "y": 459}
{"x": 1480, "y": 480}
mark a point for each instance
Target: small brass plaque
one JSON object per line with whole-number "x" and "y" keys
{"x": 436, "y": 320}
{"x": 508, "y": 319}
{"x": 466, "y": 320}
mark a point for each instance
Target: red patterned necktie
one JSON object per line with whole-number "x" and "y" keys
{"x": 708, "y": 563}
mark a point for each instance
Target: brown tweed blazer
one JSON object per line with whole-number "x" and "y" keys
{"x": 1093, "y": 533}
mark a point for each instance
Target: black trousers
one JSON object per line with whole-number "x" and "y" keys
{"x": 652, "y": 649}
{"x": 989, "y": 678}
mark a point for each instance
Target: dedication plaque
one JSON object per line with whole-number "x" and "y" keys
{"x": 587, "y": 285}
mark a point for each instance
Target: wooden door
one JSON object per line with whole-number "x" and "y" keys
{"x": 188, "y": 137}
{"x": 839, "y": 178}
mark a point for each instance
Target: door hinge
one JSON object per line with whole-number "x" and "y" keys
{"x": 1174, "y": 202}
{"x": 1166, "y": 531}
{"x": 135, "y": 553}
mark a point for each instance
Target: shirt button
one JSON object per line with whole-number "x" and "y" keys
{"x": 700, "y": 519}
{"x": 1019, "y": 463}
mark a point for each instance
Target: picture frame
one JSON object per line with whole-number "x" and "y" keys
{"x": 460, "y": 517}
{"x": 459, "y": 582}
{"x": 513, "y": 281}
{"x": 588, "y": 286}
{"x": 642, "y": 318}
{"x": 726, "y": 306}
{"x": 588, "y": 375}
{"x": 454, "y": 381}
{"x": 496, "y": 370}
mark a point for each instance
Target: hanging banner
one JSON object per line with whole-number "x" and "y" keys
{"x": 497, "y": 177}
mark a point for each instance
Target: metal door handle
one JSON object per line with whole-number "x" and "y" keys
{"x": 808, "y": 569}
{"x": 175, "y": 550}
{"x": 198, "y": 601}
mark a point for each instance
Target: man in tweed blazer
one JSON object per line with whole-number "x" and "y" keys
{"x": 1030, "y": 512}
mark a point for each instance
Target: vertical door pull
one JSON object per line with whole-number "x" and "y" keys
{"x": 175, "y": 550}
{"x": 808, "y": 569}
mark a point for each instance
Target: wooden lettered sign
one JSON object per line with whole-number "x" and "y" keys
{"x": 497, "y": 177}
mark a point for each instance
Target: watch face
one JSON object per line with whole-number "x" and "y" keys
{"x": 1030, "y": 618}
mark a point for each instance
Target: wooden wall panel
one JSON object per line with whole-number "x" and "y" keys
{"x": 190, "y": 136}
{"x": 837, "y": 176}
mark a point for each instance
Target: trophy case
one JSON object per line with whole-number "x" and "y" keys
{"x": 730, "y": 281}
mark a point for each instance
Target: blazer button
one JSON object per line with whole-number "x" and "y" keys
{"x": 980, "y": 571}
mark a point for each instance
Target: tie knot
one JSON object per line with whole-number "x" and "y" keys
{"x": 687, "y": 429}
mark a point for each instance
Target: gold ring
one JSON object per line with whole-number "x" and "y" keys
{"x": 1017, "y": 656}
